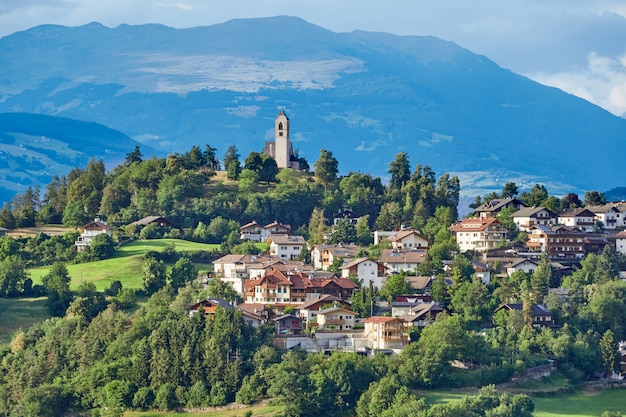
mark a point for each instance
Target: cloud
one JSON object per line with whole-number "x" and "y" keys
{"x": 602, "y": 82}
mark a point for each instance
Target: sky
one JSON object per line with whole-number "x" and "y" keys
{"x": 578, "y": 46}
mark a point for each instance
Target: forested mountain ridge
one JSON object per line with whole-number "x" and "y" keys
{"x": 36, "y": 147}
{"x": 378, "y": 93}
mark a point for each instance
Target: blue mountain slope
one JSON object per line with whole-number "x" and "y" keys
{"x": 364, "y": 96}
{"x": 35, "y": 147}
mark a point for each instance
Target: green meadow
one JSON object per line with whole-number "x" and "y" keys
{"x": 125, "y": 265}
{"x": 20, "y": 313}
{"x": 576, "y": 404}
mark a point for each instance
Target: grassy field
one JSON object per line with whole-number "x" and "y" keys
{"x": 581, "y": 404}
{"x": 20, "y": 313}
{"x": 578, "y": 404}
{"x": 260, "y": 410}
{"x": 126, "y": 264}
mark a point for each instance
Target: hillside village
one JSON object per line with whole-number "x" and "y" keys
{"x": 311, "y": 263}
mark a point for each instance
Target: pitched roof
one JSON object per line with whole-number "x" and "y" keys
{"x": 355, "y": 262}
{"x": 519, "y": 261}
{"x": 603, "y": 208}
{"x": 621, "y": 235}
{"x": 538, "y": 309}
{"x": 471, "y": 225}
{"x": 150, "y": 219}
{"x": 404, "y": 233}
{"x": 323, "y": 298}
{"x": 333, "y": 309}
{"x": 531, "y": 211}
{"x": 419, "y": 282}
{"x": 577, "y": 212}
{"x": 392, "y": 256}
{"x": 380, "y": 319}
{"x": 286, "y": 240}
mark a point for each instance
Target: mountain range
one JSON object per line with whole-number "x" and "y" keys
{"x": 363, "y": 96}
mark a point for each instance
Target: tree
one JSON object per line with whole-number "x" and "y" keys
{"x": 182, "y": 272}
{"x": 222, "y": 290}
{"x": 210, "y": 158}
{"x": 326, "y": 167}
{"x": 535, "y": 196}
{"x": 234, "y": 170}
{"x": 608, "y": 351}
{"x": 400, "y": 171}
{"x": 102, "y": 246}
{"x": 57, "y": 285}
{"x": 343, "y": 232}
{"x": 154, "y": 275}
{"x": 268, "y": 169}
{"x": 231, "y": 156}
{"x": 363, "y": 232}
{"x": 570, "y": 201}
{"x": 594, "y": 198}
{"x": 510, "y": 190}
{"x": 317, "y": 227}
{"x": 253, "y": 162}
{"x": 540, "y": 280}
{"x": 134, "y": 156}
{"x": 13, "y": 273}
{"x": 396, "y": 284}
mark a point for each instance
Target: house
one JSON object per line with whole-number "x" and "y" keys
{"x": 370, "y": 272}
{"x": 558, "y": 242}
{"x": 235, "y": 269}
{"x": 323, "y": 256}
{"x": 482, "y": 271}
{"x": 3, "y": 231}
{"x": 288, "y": 324}
{"x": 409, "y": 239}
{"x": 252, "y": 319}
{"x": 525, "y": 265}
{"x": 257, "y": 309}
{"x": 209, "y": 307}
{"x": 422, "y": 314}
{"x": 345, "y": 214}
{"x": 257, "y": 233}
{"x": 580, "y": 218}
{"x": 404, "y": 303}
{"x": 158, "y": 220}
{"x": 527, "y": 217}
{"x": 397, "y": 261}
{"x": 620, "y": 242}
{"x": 342, "y": 288}
{"x": 479, "y": 234}
{"x": 609, "y": 214}
{"x": 272, "y": 288}
{"x": 310, "y": 308}
{"x": 541, "y": 316}
{"x": 91, "y": 230}
{"x": 386, "y": 332}
{"x": 286, "y": 247}
{"x": 493, "y": 207}
{"x": 336, "y": 318}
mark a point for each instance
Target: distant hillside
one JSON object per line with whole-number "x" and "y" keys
{"x": 364, "y": 96}
{"x": 34, "y": 147}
